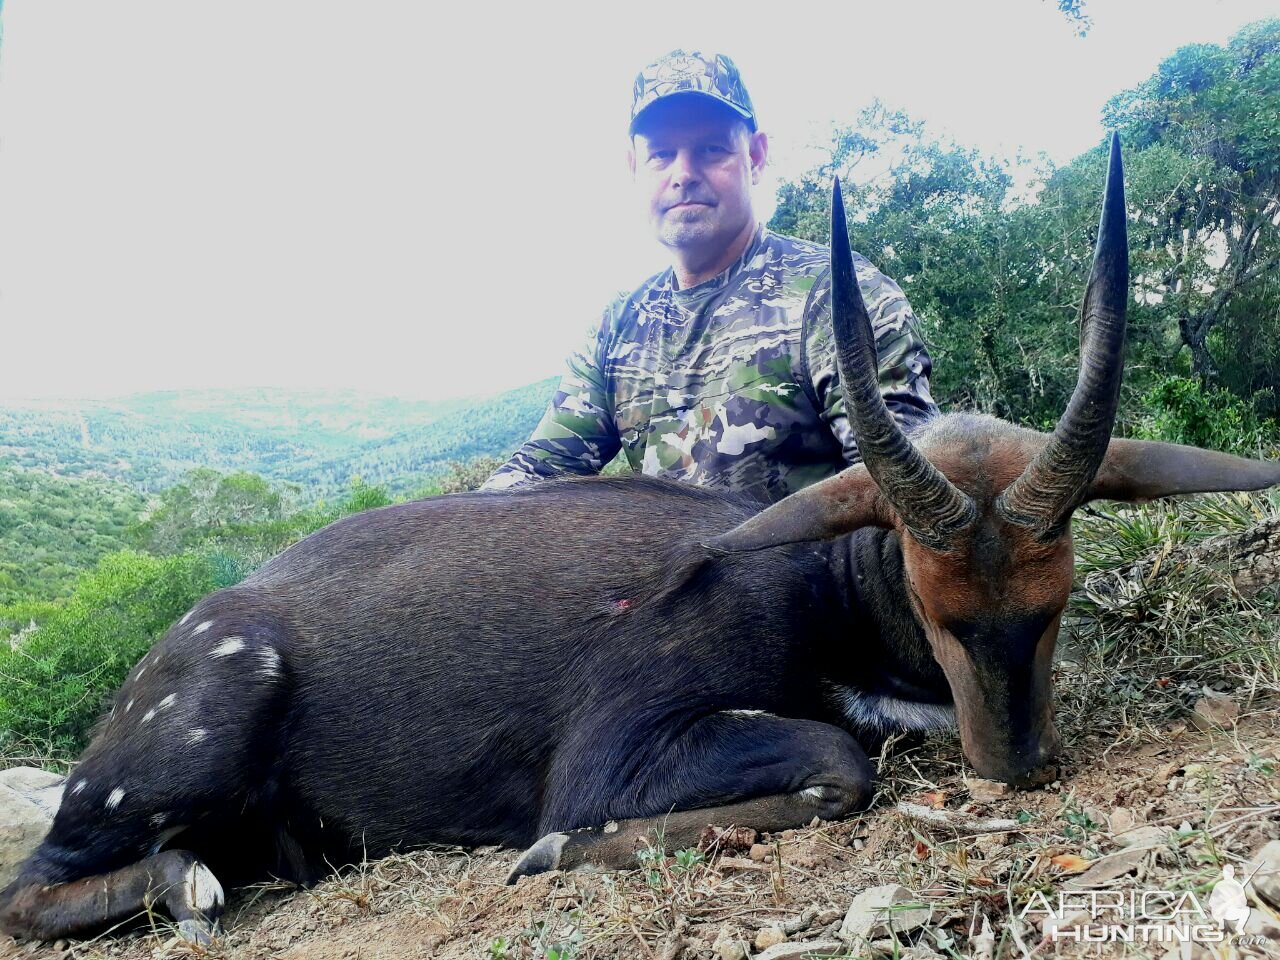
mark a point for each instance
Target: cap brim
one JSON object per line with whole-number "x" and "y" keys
{"x": 745, "y": 115}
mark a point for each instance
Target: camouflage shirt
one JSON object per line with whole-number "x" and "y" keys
{"x": 731, "y": 383}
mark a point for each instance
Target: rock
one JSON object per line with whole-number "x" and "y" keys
{"x": 1260, "y": 924}
{"x": 1122, "y": 819}
{"x": 29, "y": 798}
{"x": 991, "y": 843}
{"x": 880, "y": 912}
{"x": 1264, "y": 872}
{"x": 29, "y": 779}
{"x": 728, "y": 945}
{"x": 1214, "y": 711}
{"x": 817, "y": 949}
{"x": 1148, "y": 836}
{"x": 760, "y": 852}
{"x": 769, "y": 937}
{"x": 986, "y": 790}
{"x": 827, "y": 917}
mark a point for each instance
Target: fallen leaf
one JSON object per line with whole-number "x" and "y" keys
{"x": 921, "y": 850}
{"x": 1070, "y": 863}
{"x": 935, "y": 798}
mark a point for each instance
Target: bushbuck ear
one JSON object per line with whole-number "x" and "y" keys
{"x": 837, "y": 505}
{"x": 1146, "y": 470}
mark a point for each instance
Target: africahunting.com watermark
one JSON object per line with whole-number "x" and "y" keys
{"x": 1146, "y": 916}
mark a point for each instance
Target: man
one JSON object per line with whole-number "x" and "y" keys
{"x": 721, "y": 369}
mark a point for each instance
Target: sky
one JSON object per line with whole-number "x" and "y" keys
{"x": 432, "y": 200}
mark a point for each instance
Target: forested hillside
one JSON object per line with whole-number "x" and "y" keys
{"x": 51, "y": 528}
{"x": 319, "y": 440}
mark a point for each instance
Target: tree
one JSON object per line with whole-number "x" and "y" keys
{"x": 1204, "y": 136}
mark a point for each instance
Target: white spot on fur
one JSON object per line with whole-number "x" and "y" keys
{"x": 196, "y": 735}
{"x": 185, "y": 617}
{"x": 80, "y": 785}
{"x": 227, "y": 647}
{"x": 202, "y": 627}
{"x": 204, "y": 892}
{"x": 746, "y": 713}
{"x": 128, "y": 706}
{"x": 877, "y": 711}
{"x": 159, "y": 819}
{"x": 168, "y": 701}
{"x": 114, "y": 798}
{"x": 149, "y": 715}
{"x": 270, "y": 662}
{"x": 141, "y": 670}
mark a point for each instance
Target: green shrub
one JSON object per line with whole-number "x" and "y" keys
{"x": 1182, "y": 410}
{"x": 55, "y": 681}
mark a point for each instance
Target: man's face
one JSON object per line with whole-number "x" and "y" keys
{"x": 696, "y": 162}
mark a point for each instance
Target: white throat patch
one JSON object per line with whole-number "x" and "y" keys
{"x": 886, "y": 714}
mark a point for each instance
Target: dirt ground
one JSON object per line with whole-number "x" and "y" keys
{"x": 1217, "y": 792}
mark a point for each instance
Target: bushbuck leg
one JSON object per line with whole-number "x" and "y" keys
{"x": 173, "y": 881}
{"x": 189, "y": 748}
{"x": 734, "y": 767}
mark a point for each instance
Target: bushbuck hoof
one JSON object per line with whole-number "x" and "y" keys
{"x": 542, "y": 857}
{"x": 197, "y": 932}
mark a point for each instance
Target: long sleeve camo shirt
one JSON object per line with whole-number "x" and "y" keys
{"x": 731, "y": 383}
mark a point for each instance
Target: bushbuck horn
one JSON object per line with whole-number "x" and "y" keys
{"x": 1057, "y": 480}
{"x": 925, "y": 500}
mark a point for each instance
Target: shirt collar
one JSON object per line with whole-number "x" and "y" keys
{"x": 700, "y": 290}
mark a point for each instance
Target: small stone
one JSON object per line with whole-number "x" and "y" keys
{"x": 760, "y": 852}
{"x": 1265, "y": 873}
{"x": 1214, "y": 711}
{"x": 1094, "y": 814}
{"x": 985, "y": 791}
{"x": 815, "y": 949}
{"x": 882, "y": 911}
{"x": 728, "y": 945}
{"x": 1121, "y": 819}
{"x": 1140, "y": 837}
{"x": 991, "y": 843}
{"x": 769, "y": 937}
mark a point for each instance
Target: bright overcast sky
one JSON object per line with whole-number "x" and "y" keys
{"x": 432, "y": 199}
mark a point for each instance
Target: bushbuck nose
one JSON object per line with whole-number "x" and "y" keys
{"x": 1024, "y": 764}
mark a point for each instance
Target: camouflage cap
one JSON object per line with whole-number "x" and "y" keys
{"x": 705, "y": 74}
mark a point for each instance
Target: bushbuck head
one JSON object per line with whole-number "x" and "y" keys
{"x": 983, "y": 508}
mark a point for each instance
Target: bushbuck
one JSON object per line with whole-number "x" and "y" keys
{"x": 580, "y": 660}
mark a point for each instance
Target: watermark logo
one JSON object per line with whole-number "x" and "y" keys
{"x": 1227, "y": 901}
{"x": 1146, "y": 916}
